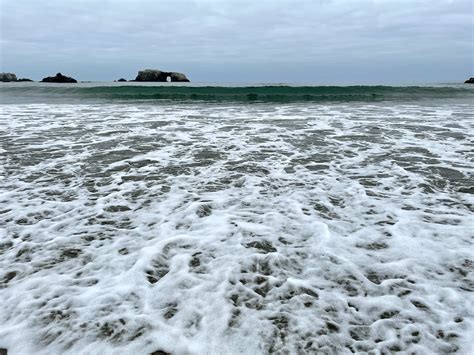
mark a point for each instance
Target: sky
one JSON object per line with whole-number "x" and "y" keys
{"x": 264, "y": 41}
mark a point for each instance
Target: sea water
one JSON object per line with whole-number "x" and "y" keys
{"x": 213, "y": 220}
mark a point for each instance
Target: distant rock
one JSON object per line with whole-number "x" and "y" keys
{"x": 160, "y": 76}
{"x": 5, "y": 77}
{"x": 469, "y": 81}
{"x": 59, "y": 78}
{"x": 122, "y": 79}
{"x": 3, "y": 351}
{"x": 178, "y": 77}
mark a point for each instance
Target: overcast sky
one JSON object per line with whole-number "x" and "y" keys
{"x": 318, "y": 41}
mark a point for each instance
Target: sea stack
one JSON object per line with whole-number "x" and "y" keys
{"x": 469, "y": 81}
{"x": 59, "y": 78}
{"x": 160, "y": 76}
{"x": 6, "y": 77}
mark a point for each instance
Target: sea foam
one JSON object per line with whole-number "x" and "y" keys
{"x": 231, "y": 228}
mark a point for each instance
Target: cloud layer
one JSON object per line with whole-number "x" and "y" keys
{"x": 335, "y": 41}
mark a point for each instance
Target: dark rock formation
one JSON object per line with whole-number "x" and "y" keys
{"x": 161, "y": 76}
{"x": 5, "y": 77}
{"x": 121, "y": 79}
{"x": 59, "y": 78}
{"x": 160, "y": 352}
{"x": 3, "y": 351}
{"x": 469, "y": 81}
{"x": 178, "y": 77}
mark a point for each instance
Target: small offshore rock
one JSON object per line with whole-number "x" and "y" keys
{"x": 24, "y": 79}
{"x": 122, "y": 79}
{"x": 59, "y": 78}
{"x": 469, "y": 81}
{"x": 6, "y": 77}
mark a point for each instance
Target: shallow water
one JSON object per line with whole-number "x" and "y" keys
{"x": 234, "y": 228}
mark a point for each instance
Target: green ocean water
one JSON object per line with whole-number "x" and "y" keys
{"x": 36, "y": 92}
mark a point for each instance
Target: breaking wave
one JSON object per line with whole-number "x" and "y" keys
{"x": 274, "y": 93}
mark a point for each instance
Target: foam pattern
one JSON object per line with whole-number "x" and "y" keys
{"x": 230, "y": 229}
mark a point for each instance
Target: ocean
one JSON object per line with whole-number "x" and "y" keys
{"x": 198, "y": 219}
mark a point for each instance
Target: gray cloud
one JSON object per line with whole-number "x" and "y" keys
{"x": 339, "y": 41}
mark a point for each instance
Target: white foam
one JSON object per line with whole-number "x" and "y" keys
{"x": 236, "y": 229}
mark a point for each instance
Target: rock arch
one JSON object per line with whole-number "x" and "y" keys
{"x": 160, "y": 76}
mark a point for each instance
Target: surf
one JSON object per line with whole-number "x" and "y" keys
{"x": 264, "y": 93}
